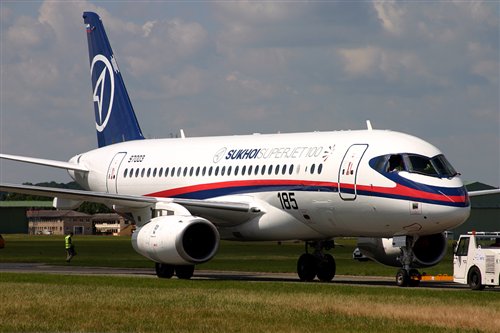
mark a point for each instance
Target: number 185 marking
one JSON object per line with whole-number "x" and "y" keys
{"x": 287, "y": 200}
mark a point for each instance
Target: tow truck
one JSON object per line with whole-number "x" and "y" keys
{"x": 476, "y": 260}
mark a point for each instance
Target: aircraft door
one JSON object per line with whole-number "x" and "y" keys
{"x": 349, "y": 170}
{"x": 112, "y": 176}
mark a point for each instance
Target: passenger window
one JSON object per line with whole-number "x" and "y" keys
{"x": 197, "y": 171}
{"x": 236, "y": 169}
{"x": 256, "y": 170}
{"x": 249, "y": 170}
{"x": 137, "y": 172}
{"x": 263, "y": 170}
{"x": 217, "y": 171}
{"x": 185, "y": 171}
{"x": 154, "y": 172}
{"x": 179, "y": 170}
{"x": 125, "y": 173}
{"x": 160, "y": 173}
{"x": 173, "y": 172}
{"x": 243, "y": 170}
{"x": 204, "y": 171}
{"x": 210, "y": 171}
{"x": 229, "y": 169}
{"x": 313, "y": 167}
{"x": 290, "y": 171}
{"x": 143, "y": 172}
{"x": 320, "y": 169}
{"x": 191, "y": 172}
{"x": 277, "y": 169}
{"x": 270, "y": 170}
{"x": 223, "y": 171}
{"x": 283, "y": 170}
{"x": 166, "y": 171}
{"x": 131, "y": 173}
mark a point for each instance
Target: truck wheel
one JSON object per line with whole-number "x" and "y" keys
{"x": 474, "y": 279}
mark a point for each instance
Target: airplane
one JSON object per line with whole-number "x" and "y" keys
{"x": 395, "y": 192}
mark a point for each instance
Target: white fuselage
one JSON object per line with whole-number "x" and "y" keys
{"x": 312, "y": 185}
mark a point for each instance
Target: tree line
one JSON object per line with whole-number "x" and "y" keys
{"x": 86, "y": 207}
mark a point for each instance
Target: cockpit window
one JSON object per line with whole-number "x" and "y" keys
{"x": 421, "y": 164}
{"x": 437, "y": 166}
{"x": 396, "y": 163}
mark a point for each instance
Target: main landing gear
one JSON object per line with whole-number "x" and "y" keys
{"x": 407, "y": 276}
{"x": 166, "y": 271}
{"x": 317, "y": 263}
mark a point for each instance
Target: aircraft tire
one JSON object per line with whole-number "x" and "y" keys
{"x": 414, "y": 278}
{"x": 184, "y": 272}
{"x": 326, "y": 268}
{"x": 164, "y": 271}
{"x": 307, "y": 267}
{"x": 402, "y": 278}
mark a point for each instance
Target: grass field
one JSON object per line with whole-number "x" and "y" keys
{"x": 57, "y": 303}
{"x": 70, "y": 303}
{"x": 236, "y": 256}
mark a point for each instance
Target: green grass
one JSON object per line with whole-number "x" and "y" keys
{"x": 57, "y": 303}
{"x": 105, "y": 251}
{"x": 69, "y": 303}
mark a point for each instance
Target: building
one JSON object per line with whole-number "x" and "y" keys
{"x": 111, "y": 224}
{"x": 13, "y": 219}
{"x": 58, "y": 222}
{"x": 485, "y": 211}
{"x": 62, "y": 222}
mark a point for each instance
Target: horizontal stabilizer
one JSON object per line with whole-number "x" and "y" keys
{"x": 49, "y": 163}
{"x": 484, "y": 192}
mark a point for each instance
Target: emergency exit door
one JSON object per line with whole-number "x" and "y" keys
{"x": 112, "y": 176}
{"x": 349, "y": 170}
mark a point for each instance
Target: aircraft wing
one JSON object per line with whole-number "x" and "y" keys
{"x": 484, "y": 192}
{"x": 41, "y": 161}
{"x": 218, "y": 212}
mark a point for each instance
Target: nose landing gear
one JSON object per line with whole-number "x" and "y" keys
{"x": 317, "y": 263}
{"x": 407, "y": 276}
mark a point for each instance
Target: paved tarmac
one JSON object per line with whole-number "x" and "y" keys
{"x": 215, "y": 275}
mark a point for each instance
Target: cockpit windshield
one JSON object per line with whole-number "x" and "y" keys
{"x": 437, "y": 166}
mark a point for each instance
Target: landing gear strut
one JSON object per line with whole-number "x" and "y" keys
{"x": 407, "y": 276}
{"x": 166, "y": 271}
{"x": 317, "y": 263}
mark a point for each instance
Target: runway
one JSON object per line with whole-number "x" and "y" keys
{"x": 215, "y": 275}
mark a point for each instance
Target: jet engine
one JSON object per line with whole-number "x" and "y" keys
{"x": 177, "y": 240}
{"x": 428, "y": 250}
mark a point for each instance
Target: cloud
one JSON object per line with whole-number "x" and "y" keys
{"x": 250, "y": 66}
{"x": 390, "y": 14}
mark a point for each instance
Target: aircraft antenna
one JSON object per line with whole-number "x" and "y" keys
{"x": 369, "y": 125}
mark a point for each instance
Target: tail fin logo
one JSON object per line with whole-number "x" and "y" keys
{"x": 101, "y": 88}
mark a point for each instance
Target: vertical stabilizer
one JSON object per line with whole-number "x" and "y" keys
{"x": 114, "y": 115}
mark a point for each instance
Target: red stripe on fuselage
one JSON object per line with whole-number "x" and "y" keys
{"x": 398, "y": 190}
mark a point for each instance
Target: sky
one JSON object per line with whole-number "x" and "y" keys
{"x": 426, "y": 68}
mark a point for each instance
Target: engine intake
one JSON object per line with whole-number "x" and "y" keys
{"x": 177, "y": 240}
{"x": 428, "y": 250}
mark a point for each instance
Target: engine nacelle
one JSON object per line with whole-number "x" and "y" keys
{"x": 177, "y": 240}
{"x": 428, "y": 250}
